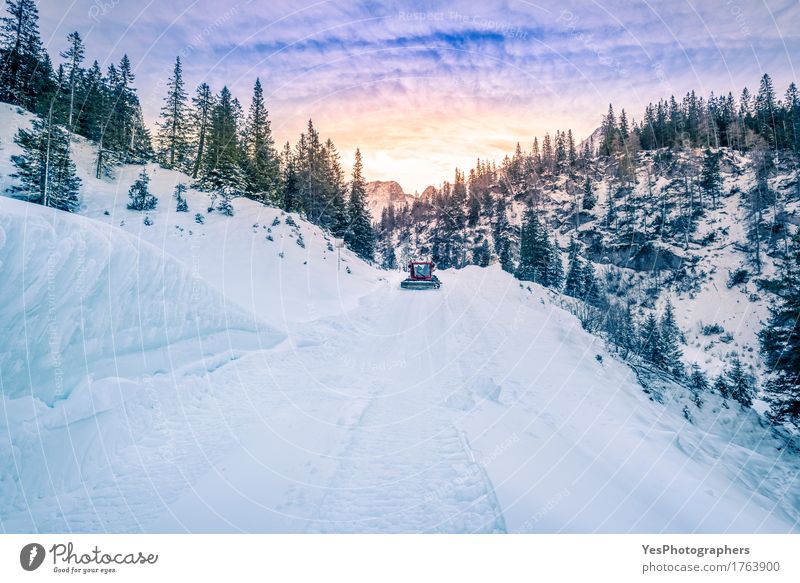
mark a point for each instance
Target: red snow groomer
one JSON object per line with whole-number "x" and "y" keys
{"x": 420, "y": 276}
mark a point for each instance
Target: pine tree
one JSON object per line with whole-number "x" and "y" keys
{"x": 533, "y": 256}
{"x": 131, "y": 137}
{"x": 502, "y": 242}
{"x": 141, "y": 198}
{"x": 539, "y": 259}
{"x": 721, "y": 385}
{"x": 780, "y": 342}
{"x": 669, "y": 354}
{"x": 765, "y": 111}
{"x": 23, "y": 78}
{"x": 360, "y": 236}
{"x": 698, "y": 384}
{"x": 74, "y": 57}
{"x": 740, "y": 385}
{"x": 388, "y": 256}
{"x": 222, "y": 162}
{"x": 262, "y": 166}
{"x": 336, "y": 212}
{"x": 609, "y": 142}
{"x": 573, "y": 286}
{"x": 289, "y": 180}
{"x": 589, "y": 197}
{"x": 650, "y": 339}
{"x": 225, "y": 206}
{"x": 482, "y": 255}
{"x": 710, "y": 178}
{"x": 173, "y": 130}
{"x": 202, "y": 106}
{"x": 45, "y": 168}
{"x": 181, "y": 205}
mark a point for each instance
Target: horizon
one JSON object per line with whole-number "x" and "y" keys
{"x": 422, "y": 91}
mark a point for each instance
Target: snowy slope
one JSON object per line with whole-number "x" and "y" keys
{"x": 277, "y": 392}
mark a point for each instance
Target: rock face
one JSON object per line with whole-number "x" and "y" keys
{"x": 382, "y": 193}
{"x": 428, "y": 193}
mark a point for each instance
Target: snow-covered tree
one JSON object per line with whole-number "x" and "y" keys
{"x": 740, "y": 385}
{"x": 45, "y": 167}
{"x": 23, "y": 74}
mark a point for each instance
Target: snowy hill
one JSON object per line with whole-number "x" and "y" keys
{"x": 231, "y": 375}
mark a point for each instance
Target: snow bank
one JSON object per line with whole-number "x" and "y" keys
{"x": 82, "y": 300}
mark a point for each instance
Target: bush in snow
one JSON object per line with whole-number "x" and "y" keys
{"x": 300, "y": 241}
{"x": 198, "y": 218}
{"x": 276, "y": 221}
{"x": 147, "y": 220}
{"x": 141, "y": 198}
{"x": 737, "y": 277}
{"x": 712, "y": 329}
{"x": 289, "y": 221}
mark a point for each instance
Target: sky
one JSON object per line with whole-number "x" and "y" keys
{"x": 424, "y": 87}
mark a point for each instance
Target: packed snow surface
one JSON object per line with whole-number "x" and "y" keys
{"x": 240, "y": 374}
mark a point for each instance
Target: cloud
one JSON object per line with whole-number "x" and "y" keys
{"x": 422, "y": 86}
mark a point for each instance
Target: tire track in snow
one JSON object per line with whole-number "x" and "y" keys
{"x": 406, "y": 467}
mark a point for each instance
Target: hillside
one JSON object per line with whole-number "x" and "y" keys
{"x": 231, "y": 376}
{"x": 636, "y": 239}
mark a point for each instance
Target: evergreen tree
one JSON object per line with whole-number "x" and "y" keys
{"x": 573, "y": 286}
{"x": 262, "y": 171}
{"x": 669, "y": 354}
{"x": 289, "y": 180}
{"x": 336, "y": 211}
{"x": 360, "y": 236}
{"x": 780, "y": 342}
{"x": 182, "y": 205}
{"x": 721, "y": 385}
{"x": 173, "y": 130}
{"x": 539, "y": 259}
{"x": 388, "y": 256}
{"x": 589, "y": 197}
{"x": 74, "y": 57}
{"x": 23, "y": 76}
{"x": 609, "y": 142}
{"x": 481, "y": 254}
{"x": 202, "y": 107}
{"x": 533, "y": 257}
{"x": 141, "y": 198}
{"x": 222, "y": 162}
{"x": 710, "y": 178}
{"x": 45, "y": 168}
{"x": 650, "y": 339}
{"x": 698, "y": 384}
{"x": 765, "y": 111}
{"x": 502, "y": 236}
{"x": 740, "y": 385}
{"x": 225, "y": 206}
